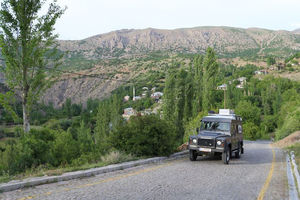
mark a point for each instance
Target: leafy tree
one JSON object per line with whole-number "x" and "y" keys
{"x": 250, "y": 130}
{"x": 116, "y": 111}
{"x": 248, "y": 111}
{"x": 85, "y": 140}
{"x": 67, "y": 108}
{"x": 169, "y": 98}
{"x": 271, "y": 61}
{"x": 102, "y": 125}
{"x": 145, "y": 136}
{"x": 190, "y": 127}
{"x": 198, "y": 84}
{"x": 180, "y": 92}
{"x": 189, "y": 97}
{"x": 28, "y": 44}
{"x": 210, "y": 69}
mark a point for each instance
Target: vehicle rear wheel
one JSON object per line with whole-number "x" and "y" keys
{"x": 226, "y": 156}
{"x": 193, "y": 155}
{"x": 238, "y": 152}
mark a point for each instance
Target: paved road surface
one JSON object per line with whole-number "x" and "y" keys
{"x": 206, "y": 178}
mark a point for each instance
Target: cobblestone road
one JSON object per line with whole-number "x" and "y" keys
{"x": 206, "y": 178}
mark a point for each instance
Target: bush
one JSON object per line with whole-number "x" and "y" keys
{"x": 269, "y": 124}
{"x": 63, "y": 124}
{"x": 30, "y": 150}
{"x": 290, "y": 125}
{"x": 190, "y": 127}
{"x": 250, "y": 131}
{"x": 145, "y": 136}
{"x": 65, "y": 149}
{"x": 248, "y": 111}
{"x": 116, "y": 157}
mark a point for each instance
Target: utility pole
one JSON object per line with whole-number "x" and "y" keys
{"x": 224, "y": 98}
{"x": 224, "y": 88}
{"x": 133, "y": 91}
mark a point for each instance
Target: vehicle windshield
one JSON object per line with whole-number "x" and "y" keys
{"x": 215, "y": 126}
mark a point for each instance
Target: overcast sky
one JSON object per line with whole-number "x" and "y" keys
{"x": 85, "y": 18}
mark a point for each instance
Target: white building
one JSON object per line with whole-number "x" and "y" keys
{"x": 222, "y": 87}
{"x": 136, "y": 98}
{"x": 128, "y": 112}
{"x": 157, "y": 95}
{"x": 126, "y": 98}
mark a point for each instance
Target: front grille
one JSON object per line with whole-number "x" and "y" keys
{"x": 206, "y": 142}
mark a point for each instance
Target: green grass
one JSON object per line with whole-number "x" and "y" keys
{"x": 113, "y": 157}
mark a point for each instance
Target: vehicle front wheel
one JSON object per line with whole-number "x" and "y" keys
{"x": 193, "y": 155}
{"x": 226, "y": 156}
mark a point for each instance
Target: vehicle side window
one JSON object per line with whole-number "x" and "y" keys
{"x": 240, "y": 129}
{"x": 233, "y": 129}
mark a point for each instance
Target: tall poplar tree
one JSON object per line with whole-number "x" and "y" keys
{"x": 189, "y": 97}
{"x": 210, "y": 69}
{"x": 28, "y": 48}
{"x": 198, "y": 84}
{"x": 180, "y": 95}
{"x": 102, "y": 125}
{"x": 169, "y": 98}
{"x": 116, "y": 110}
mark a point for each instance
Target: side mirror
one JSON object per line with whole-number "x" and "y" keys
{"x": 197, "y": 130}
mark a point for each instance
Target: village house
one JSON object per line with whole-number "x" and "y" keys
{"x": 260, "y": 72}
{"x": 242, "y": 80}
{"x": 153, "y": 89}
{"x": 126, "y": 98}
{"x": 136, "y": 98}
{"x": 128, "y": 112}
{"x": 222, "y": 87}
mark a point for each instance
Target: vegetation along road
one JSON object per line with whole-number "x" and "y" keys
{"x": 260, "y": 172}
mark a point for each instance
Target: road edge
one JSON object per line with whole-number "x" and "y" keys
{"x": 293, "y": 179}
{"x": 19, "y": 184}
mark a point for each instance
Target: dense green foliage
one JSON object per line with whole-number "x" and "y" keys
{"x": 145, "y": 136}
{"x": 29, "y": 50}
{"x": 76, "y": 134}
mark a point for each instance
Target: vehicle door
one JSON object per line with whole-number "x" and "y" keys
{"x": 239, "y": 133}
{"x": 234, "y": 136}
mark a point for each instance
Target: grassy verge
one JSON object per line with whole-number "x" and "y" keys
{"x": 111, "y": 158}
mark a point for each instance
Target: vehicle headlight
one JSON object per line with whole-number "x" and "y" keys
{"x": 194, "y": 141}
{"x": 219, "y": 143}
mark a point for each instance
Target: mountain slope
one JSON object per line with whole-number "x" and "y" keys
{"x": 123, "y": 49}
{"x": 226, "y": 41}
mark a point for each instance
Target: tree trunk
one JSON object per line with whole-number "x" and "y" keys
{"x": 26, "y": 124}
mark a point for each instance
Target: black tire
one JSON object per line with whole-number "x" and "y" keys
{"x": 193, "y": 155}
{"x": 226, "y": 156}
{"x": 238, "y": 152}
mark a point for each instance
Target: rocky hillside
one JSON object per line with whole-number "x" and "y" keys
{"x": 92, "y": 54}
{"x": 297, "y": 31}
{"x": 227, "y": 41}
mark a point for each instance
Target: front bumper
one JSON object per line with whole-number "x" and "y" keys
{"x": 201, "y": 149}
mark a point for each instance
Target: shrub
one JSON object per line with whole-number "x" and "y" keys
{"x": 65, "y": 148}
{"x": 290, "y": 125}
{"x": 145, "y": 136}
{"x": 190, "y": 127}
{"x": 28, "y": 151}
{"x": 59, "y": 124}
{"x": 116, "y": 157}
{"x": 248, "y": 111}
{"x": 250, "y": 131}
